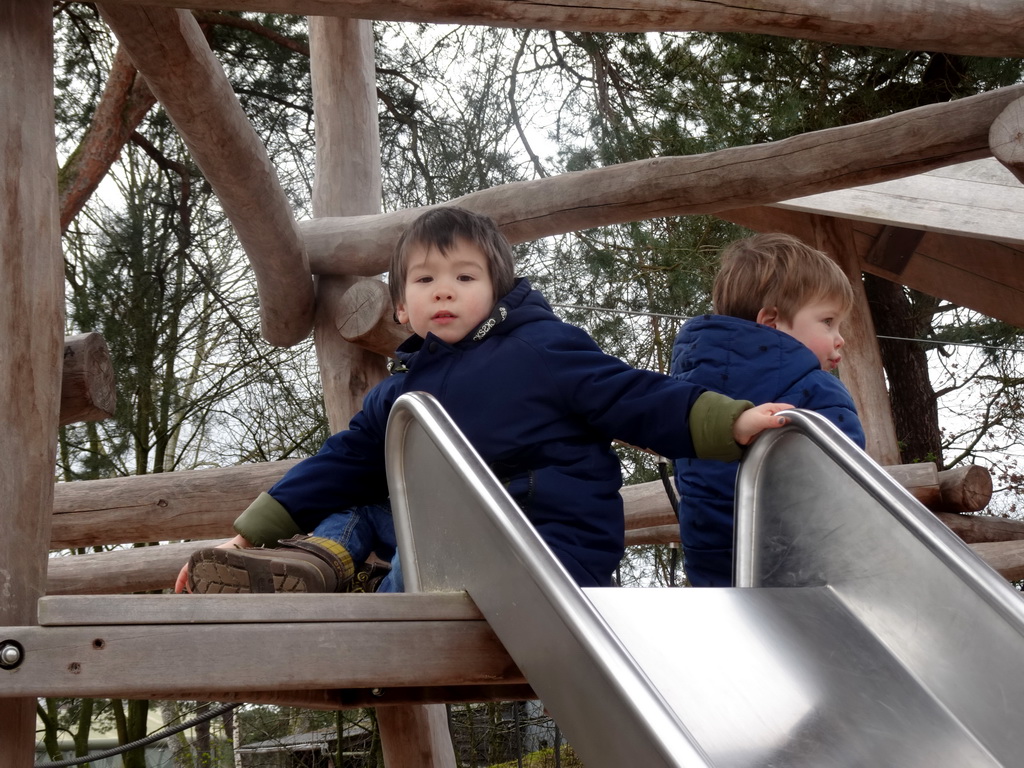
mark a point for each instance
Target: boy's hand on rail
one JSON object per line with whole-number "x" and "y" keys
{"x": 754, "y": 421}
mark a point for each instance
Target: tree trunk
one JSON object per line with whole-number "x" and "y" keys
{"x": 203, "y": 743}
{"x": 911, "y": 394}
{"x": 181, "y": 756}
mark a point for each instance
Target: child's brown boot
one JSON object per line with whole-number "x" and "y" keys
{"x": 299, "y": 564}
{"x": 368, "y": 577}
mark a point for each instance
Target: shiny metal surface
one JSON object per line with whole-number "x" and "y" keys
{"x": 820, "y": 667}
{"x": 813, "y": 510}
{"x": 458, "y": 529}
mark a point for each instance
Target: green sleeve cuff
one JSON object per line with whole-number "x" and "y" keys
{"x": 265, "y": 522}
{"x": 711, "y": 420}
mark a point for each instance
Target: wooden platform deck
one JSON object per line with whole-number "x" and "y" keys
{"x": 319, "y": 651}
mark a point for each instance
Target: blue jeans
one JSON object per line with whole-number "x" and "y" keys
{"x": 366, "y": 529}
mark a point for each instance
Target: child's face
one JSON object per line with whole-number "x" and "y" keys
{"x": 448, "y": 295}
{"x": 816, "y": 326}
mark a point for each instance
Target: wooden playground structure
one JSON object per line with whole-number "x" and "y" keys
{"x": 408, "y": 653}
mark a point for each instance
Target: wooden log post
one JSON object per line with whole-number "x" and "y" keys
{"x": 366, "y": 318}
{"x": 87, "y": 390}
{"x": 1006, "y": 138}
{"x": 31, "y": 334}
{"x": 169, "y": 50}
{"x": 861, "y": 368}
{"x": 348, "y": 183}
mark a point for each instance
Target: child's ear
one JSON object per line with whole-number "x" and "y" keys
{"x": 400, "y": 314}
{"x": 768, "y": 316}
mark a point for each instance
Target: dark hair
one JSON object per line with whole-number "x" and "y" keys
{"x": 776, "y": 270}
{"x": 440, "y": 228}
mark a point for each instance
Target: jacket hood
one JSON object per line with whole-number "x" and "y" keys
{"x": 767, "y": 360}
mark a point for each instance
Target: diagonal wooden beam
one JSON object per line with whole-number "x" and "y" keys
{"x": 969, "y": 27}
{"x": 169, "y": 50}
{"x": 894, "y": 247}
{"x": 891, "y": 147}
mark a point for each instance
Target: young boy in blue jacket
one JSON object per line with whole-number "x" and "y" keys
{"x": 535, "y": 396}
{"x": 776, "y": 336}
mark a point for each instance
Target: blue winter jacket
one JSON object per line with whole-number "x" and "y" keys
{"x": 741, "y": 359}
{"x": 540, "y": 402}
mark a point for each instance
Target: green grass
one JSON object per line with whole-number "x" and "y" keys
{"x": 545, "y": 758}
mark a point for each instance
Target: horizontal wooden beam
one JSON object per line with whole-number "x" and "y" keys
{"x": 120, "y": 571}
{"x": 655, "y": 534}
{"x": 183, "y": 505}
{"x": 203, "y": 503}
{"x": 991, "y": 28}
{"x": 891, "y": 147}
{"x": 411, "y": 612}
{"x": 171, "y": 53}
{"x": 173, "y": 660}
{"x": 167, "y": 506}
{"x": 97, "y": 610}
{"x": 359, "y": 698}
{"x": 981, "y": 529}
{"x": 1006, "y": 557}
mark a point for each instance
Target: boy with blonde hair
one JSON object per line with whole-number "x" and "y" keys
{"x": 775, "y": 337}
{"x": 535, "y": 396}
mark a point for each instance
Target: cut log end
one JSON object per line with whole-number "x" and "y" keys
{"x": 88, "y": 390}
{"x": 1006, "y": 138}
{"x": 366, "y": 318}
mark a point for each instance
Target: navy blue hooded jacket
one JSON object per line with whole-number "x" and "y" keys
{"x": 540, "y": 402}
{"x": 746, "y": 360}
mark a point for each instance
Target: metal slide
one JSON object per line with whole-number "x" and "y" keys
{"x": 864, "y": 634}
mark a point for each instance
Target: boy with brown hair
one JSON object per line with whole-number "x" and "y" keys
{"x": 535, "y": 396}
{"x": 775, "y": 336}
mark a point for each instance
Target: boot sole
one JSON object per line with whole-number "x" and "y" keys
{"x": 238, "y": 571}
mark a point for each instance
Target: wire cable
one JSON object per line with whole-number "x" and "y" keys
{"x": 163, "y": 733}
{"x": 684, "y": 318}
